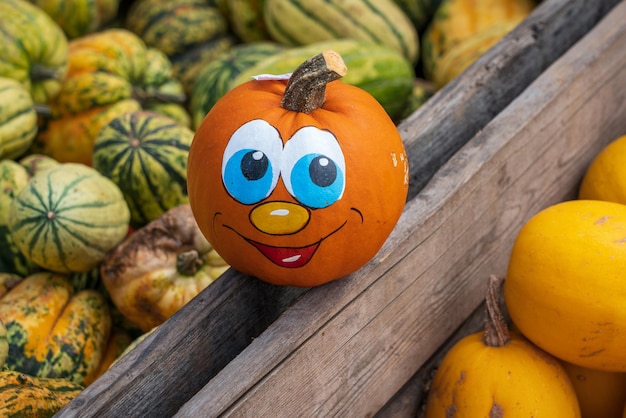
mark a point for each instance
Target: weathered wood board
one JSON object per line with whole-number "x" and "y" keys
{"x": 346, "y": 349}
{"x": 204, "y": 344}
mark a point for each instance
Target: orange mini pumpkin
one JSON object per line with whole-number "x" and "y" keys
{"x": 300, "y": 181}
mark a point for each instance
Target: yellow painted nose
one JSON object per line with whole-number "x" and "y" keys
{"x": 279, "y": 218}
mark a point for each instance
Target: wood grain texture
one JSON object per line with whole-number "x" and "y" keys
{"x": 240, "y": 337}
{"x": 346, "y": 349}
{"x": 461, "y": 109}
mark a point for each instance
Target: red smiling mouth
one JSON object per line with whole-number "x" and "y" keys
{"x": 287, "y": 256}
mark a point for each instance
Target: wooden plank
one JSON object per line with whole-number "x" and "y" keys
{"x": 469, "y": 102}
{"x": 193, "y": 346}
{"x": 410, "y": 400}
{"x": 347, "y": 348}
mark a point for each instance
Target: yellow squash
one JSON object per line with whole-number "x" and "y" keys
{"x": 463, "y": 30}
{"x": 565, "y": 287}
{"x": 605, "y": 178}
{"x": 600, "y": 393}
{"x": 500, "y": 374}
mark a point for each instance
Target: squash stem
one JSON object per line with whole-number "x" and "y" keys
{"x": 188, "y": 262}
{"x": 40, "y": 72}
{"x": 306, "y": 88}
{"x": 496, "y": 330}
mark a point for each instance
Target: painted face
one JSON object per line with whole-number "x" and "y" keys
{"x": 295, "y": 203}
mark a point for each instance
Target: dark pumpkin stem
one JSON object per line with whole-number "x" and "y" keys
{"x": 496, "y": 330}
{"x": 40, "y": 72}
{"x": 188, "y": 262}
{"x": 42, "y": 109}
{"x": 306, "y": 88}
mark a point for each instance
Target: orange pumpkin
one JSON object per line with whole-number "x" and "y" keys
{"x": 298, "y": 182}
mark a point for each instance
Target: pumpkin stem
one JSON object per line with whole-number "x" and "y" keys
{"x": 188, "y": 262}
{"x": 306, "y": 88}
{"x": 40, "y": 72}
{"x": 496, "y": 330}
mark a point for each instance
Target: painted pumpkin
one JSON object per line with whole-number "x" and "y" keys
{"x": 564, "y": 287}
{"x": 298, "y": 182}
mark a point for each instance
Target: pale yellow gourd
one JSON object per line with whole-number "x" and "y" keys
{"x": 600, "y": 393}
{"x": 605, "y": 178}
{"x": 564, "y": 287}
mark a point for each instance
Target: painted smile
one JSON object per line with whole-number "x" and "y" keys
{"x": 290, "y": 257}
{"x": 287, "y": 256}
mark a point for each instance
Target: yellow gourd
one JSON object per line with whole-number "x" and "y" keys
{"x": 605, "y": 178}
{"x": 600, "y": 393}
{"x": 565, "y": 289}
{"x": 500, "y": 374}
{"x": 462, "y": 30}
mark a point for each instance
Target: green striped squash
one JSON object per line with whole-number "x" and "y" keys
{"x": 419, "y": 11}
{"x": 18, "y": 118}
{"x": 25, "y": 396}
{"x": 13, "y": 178}
{"x": 187, "y": 64}
{"x": 302, "y": 22}
{"x": 216, "y": 79}
{"x": 33, "y": 50}
{"x": 145, "y": 154}
{"x": 382, "y": 72}
{"x": 80, "y": 17}
{"x": 68, "y": 217}
{"x": 246, "y": 19}
{"x": 175, "y": 25}
{"x": 53, "y": 330}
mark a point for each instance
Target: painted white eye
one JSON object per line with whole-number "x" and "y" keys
{"x": 250, "y": 164}
{"x": 313, "y": 167}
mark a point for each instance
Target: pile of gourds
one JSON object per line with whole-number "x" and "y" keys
{"x": 99, "y": 102}
{"x": 564, "y": 291}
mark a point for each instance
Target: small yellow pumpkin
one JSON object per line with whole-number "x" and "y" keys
{"x": 496, "y": 373}
{"x": 605, "y": 178}
{"x": 600, "y": 393}
{"x": 565, "y": 286}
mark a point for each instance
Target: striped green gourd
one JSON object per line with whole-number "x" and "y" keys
{"x": 80, "y": 17}
{"x": 13, "y": 178}
{"x": 215, "y": 79}
{"x": 18, "y": 118}
{"x": 382, "y": 72}
{"x": 419, "y": 11}
{"x": 175, "y": 25}
{"x": 246, "y": 19}
{"x": 67, "y": 218}
{"x": 302, "y": 22}
{"x": 145, "y": 154}
{"x": 33, "y": 50}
